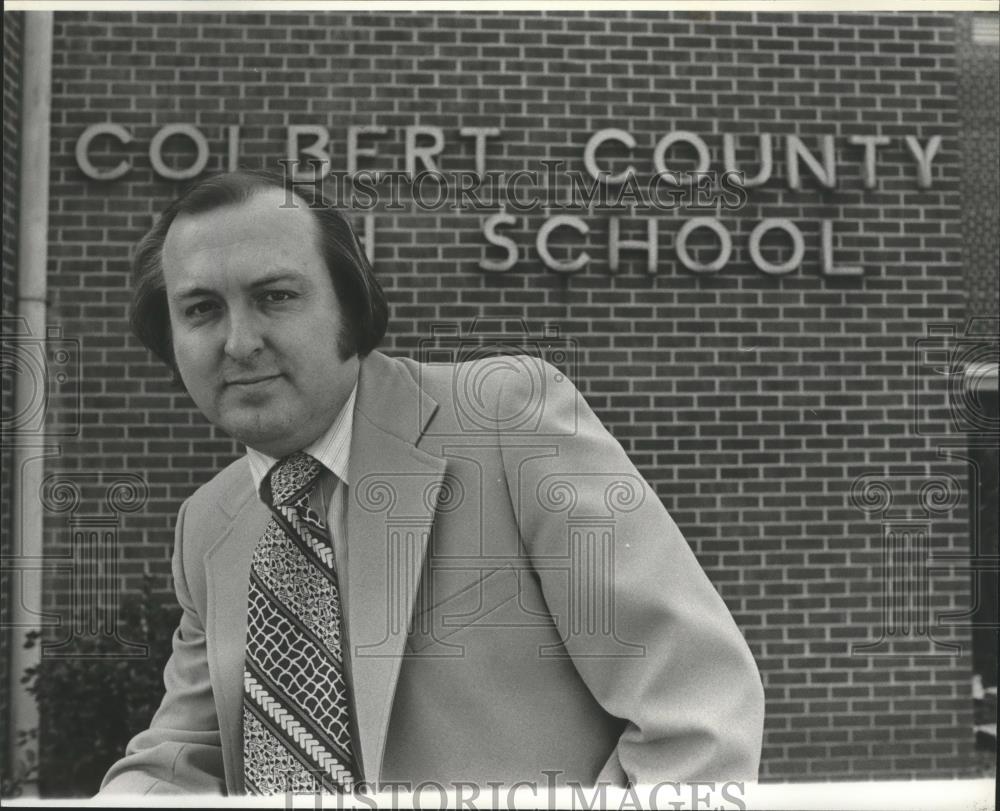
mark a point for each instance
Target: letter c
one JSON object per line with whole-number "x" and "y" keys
{"x": 542, "y": 244}
{"x": 590, "y": 155}
{"x": 83, "y": 148}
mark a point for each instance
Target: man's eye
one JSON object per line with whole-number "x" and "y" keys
{"x": 200, "y": 308}
{"x": 277, "y": 296}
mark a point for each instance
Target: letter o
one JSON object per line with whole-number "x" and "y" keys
{"x": 725, "y": 244}
{"x": 83, "y": 148}
{"x": 156, "y": 148}
{"x": 667, "y": 141}
{"x": 798, "y": 246}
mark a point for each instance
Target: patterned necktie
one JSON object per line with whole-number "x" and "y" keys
{"x": 296, "y": 721}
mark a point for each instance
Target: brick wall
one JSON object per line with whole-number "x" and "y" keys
{"x": 751, "y": 402}
{"x": 13, "y": 22}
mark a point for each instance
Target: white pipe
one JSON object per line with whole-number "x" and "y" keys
{"x": 26, "y": 478}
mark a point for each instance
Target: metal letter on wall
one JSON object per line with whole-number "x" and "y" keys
{"x": 83, "y": 151}
{"x": 156, "y": 152}
{"x": 798, "y": 246}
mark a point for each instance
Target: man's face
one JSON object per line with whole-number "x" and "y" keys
{"x": 255, "y": 322}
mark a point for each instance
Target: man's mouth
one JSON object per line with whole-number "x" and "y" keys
{"x": 251, "y": 380}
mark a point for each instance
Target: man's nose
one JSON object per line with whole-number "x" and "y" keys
{"x": 244, "y": 337}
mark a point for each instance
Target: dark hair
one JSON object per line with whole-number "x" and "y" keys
{"x": 365, "y": 310}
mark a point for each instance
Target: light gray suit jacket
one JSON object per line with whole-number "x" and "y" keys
{"x": 519, "y": 602}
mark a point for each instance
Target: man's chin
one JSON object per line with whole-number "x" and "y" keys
{"x": 270, "y": 437}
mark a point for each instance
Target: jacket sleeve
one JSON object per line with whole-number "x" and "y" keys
{"x": 181, "y": 750}
{"x": 673, "y": 664}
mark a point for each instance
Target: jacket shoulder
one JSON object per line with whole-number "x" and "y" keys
{"x": 479, "y": 379}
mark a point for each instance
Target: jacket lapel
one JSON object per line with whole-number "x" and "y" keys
{"x": 228, "y": 565}
{"x": 392, "y": 497}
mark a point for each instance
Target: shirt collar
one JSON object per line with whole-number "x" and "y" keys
{"x": 332, "y": 450}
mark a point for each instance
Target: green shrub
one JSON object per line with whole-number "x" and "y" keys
{"x": 92, "y": 698}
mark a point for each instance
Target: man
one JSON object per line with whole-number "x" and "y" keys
{"x": 420, "y": 571}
